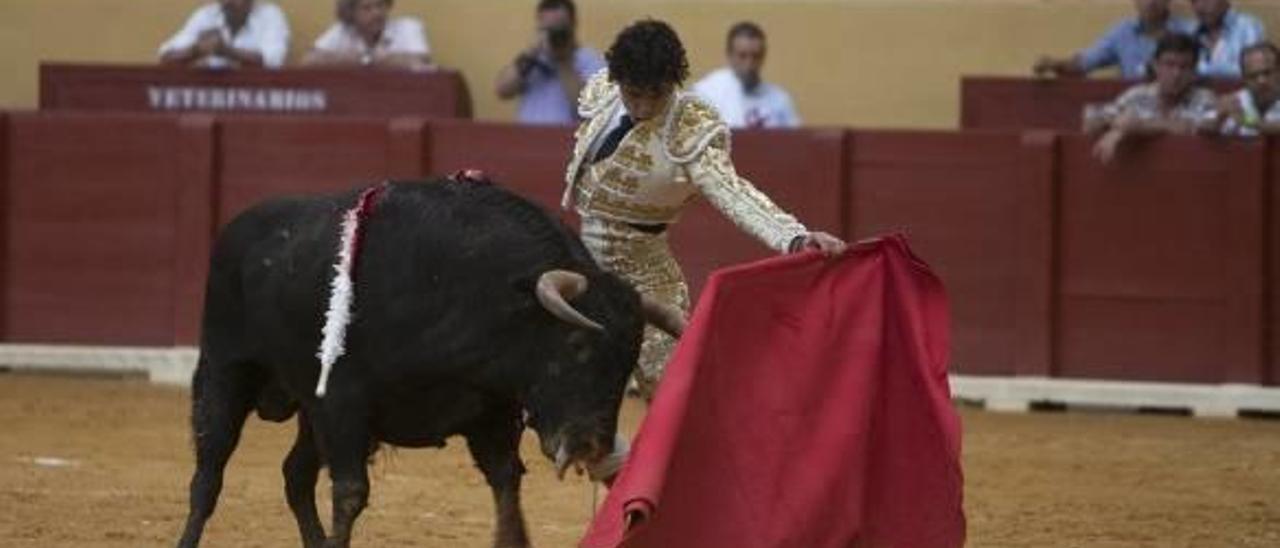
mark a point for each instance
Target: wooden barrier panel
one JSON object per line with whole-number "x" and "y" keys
{"x": 801, "y": 170}
{"x": 261, "y": 157}
{"x": 291, "y": 91}
{"x": 5, "y": 200}
{"x": 976, "y": 207}
{"x": 91, "y": 229}
{"x": 1161, "y": 262}
{"x": 527, "y": 159}
{"x": 1017, "y": 103}
{"x": 1273, "y": 261}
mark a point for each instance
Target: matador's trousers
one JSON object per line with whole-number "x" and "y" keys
{"x": 644, "y": 260}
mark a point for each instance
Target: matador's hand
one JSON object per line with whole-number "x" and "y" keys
{"x": 829, "y": 245}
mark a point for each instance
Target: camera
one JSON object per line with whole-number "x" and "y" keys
{"x": 559, "y": 37}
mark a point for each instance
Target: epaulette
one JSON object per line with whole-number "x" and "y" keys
{"x": 692, "y": 125}
{"x": 596, "y": 94}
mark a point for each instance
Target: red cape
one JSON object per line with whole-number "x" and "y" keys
{"x": 806, "y": 406}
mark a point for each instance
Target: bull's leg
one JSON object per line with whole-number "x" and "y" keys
{"x": 301, "y": 469}
{"x": 222, "y": 396}
{"x": 495, "y": 446}
{"x": 343, "y": 431}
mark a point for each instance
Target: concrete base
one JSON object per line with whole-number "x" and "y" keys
{"x": 173, "y": 366}
{"x": 1018, "y": 394}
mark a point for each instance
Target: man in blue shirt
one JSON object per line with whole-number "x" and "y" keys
{"x": 549, "y": 74}
{"x": 1130, "y": 44}
{"x": 1224, "y": 34}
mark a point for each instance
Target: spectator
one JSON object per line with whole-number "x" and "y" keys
{"x": 1224, "y": 33}
{"x": 549, "y": 74}
{"x": 738, "y": 92}
{"x": 364, "y": 36}
{"x": 1173, "y": 103}
{"x": 1129, "y": 44}
{"x": 230, "y": 33}
{"x": 1255, "y": 109}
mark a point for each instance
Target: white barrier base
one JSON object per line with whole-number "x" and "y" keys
{"x": 1017, "y": 394}
{"x": 174, "y": 366}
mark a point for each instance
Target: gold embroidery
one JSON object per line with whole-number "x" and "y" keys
{"x": 644, "y": 261}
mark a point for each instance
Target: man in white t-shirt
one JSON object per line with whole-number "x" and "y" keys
{"x": 738, "y": 92}
{"x": 366, "y": 35}
{"x": 1254, "y": 110}
{"x": 230, "y": 33}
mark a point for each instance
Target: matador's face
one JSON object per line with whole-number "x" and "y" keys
{"x": 643, "y": 104}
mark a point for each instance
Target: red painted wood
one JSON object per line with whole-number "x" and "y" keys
{"x": 407, "y": 148}
{"x": 355, "y": 92}
{"x": 959, "y": 199}
{"x": 91, "y": 229}
{"x": 262, "y": 156}
{"x": 527, "y": 159}
{"x": 1161, "y": 262}
{"x": 1033, "y": 307}
{"x": 196, "y": 203}
{"x": 5, "y": 200}
{"x": 1016, "y": 103}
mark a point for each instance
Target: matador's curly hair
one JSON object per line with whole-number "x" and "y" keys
{"x": 647, "y": 55}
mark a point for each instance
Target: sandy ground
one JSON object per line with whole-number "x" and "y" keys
{"x": 105, "y": 463}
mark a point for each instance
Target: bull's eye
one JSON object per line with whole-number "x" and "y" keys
{"x": 580, "y": 345}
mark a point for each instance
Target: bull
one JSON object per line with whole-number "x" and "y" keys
{"x": 476, "y": 314}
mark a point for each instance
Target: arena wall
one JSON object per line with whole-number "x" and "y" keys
{"x": 877, "y": 63}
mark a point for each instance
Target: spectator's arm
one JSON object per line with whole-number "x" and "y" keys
{"x": 403, "y": 60}
{"x": 319, "y": 58}
{"x": 183, "y": 47}
{"x": 1103, "y": 53}
{"x": 511, "y": 79}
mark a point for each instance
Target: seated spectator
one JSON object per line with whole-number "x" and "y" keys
{"x": 1129, "y": 44}
{"x": 738, "y": 92}
{"x": 364, "y": 36}
{"x": 1173, "y": 103}
{"x": 549, "y": 74}
{"x": 1224, "y": 33}
{"x": 1255, "y": 109}
{"x": 230, "y": 33}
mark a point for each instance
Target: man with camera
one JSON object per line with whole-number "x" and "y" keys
{"x": 548, "y": 75}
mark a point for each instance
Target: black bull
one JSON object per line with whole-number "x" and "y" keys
{"x": 475, "y": 314}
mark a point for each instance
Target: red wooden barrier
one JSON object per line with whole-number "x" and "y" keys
{"x": 290, "y": 91}
{"x": 1018, "y": 103}
{"x": 196, "y": 188}
{"x": 527, "y": 159}
{"x": 261, "y": 157}
{"x": 5, "y": 261}
{"x": 91, "y": 229}
{"x": 975, "y": 206}
{"x": 1161, "y": 262}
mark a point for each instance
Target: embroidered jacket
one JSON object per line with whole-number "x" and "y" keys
{"x": 663, "y": 164}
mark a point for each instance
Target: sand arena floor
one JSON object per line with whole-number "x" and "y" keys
{"x": 105, "y": 463}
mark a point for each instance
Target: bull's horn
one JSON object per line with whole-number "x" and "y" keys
{"x": 663, "y": 316}
{"x": 555, "y": 288}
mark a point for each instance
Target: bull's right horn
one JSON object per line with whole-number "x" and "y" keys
{"x": 555, "y": 288}
{"x": 663, "y": 316}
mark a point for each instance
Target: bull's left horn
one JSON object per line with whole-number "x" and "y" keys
{"x": 555, "y": 288}
{"x": 663, "y": 316}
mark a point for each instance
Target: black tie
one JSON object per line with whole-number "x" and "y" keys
{"x": 614, "y": 137}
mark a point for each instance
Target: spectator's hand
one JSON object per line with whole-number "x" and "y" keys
{"x": 1126, "y": 121}
{"x": 209, "y": 43}
{"x": 1105, "y": 149}
{"x": 1229, "y": 107}
{"x": 829, "y": 245}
